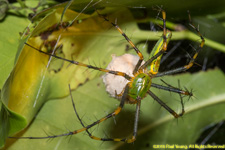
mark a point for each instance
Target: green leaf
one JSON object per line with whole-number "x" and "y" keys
{"x": 9, "y": 43}
{"x": 156, "y": 125}
{"x": 205, "y": 108}
{"x": 3, "y": 8}
{"x": 34, "y": 75}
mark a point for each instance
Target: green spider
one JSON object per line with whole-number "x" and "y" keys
{"x": 138, "y": 83}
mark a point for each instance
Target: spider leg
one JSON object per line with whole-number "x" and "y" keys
{"x": 75, "y": 110}
{"x": 135, "y": 122}
{"x": 176, "y": 115}
{"x": 172, "y": 89}
{"x": 84, "y": 65}
{"x": 141, "y": 57}
{"x": 85, "y": 128}
{"x": 192, "y": 61}
{"x": 132, "y": 139}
